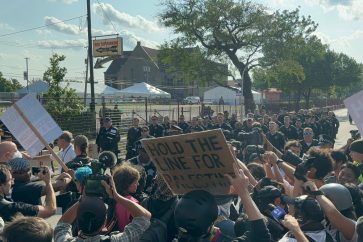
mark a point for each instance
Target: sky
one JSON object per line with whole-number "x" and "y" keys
{"x": 22, "y": 31}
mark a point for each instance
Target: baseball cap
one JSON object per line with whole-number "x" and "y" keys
{"x": 82, "y": 172}
{"x": 91, "y": 214}
{"x": 19, "y": 164}
{"x": 357, "y": 146}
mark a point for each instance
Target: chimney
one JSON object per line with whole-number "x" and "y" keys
{"x": 138, "y": 43}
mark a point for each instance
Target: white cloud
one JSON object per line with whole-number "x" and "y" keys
{"x": 62, "y": 44}
{"x": 6, "y": 26}
{"x": 341, "y": 43}
{"x": 64, "y": 1}
{"x": 108, "y": 12}
{"x": 347, "y": 9}
{"x": 59, "y": 26}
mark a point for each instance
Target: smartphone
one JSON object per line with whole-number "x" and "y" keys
{"x": 37, "y": 170}
{"x": 278, "y": 214}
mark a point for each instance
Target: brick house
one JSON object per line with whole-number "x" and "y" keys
{"x": 141, "y": 65}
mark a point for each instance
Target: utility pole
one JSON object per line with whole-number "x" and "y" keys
{"x": 86, "y": 83}
{"x": 90, "y": 58}
{"x": 27, "y": 74}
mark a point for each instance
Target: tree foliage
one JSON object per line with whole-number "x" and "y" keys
{"x": 323, "y": 70}
{"x": 60, "y": 100}
{"x": 9, "y": 85}
{"x": 191, "y": 64}
{"x": 240, "y": 31}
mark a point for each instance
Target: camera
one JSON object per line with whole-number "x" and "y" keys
{"x": 302, "y": 169}
{"x": 251, "y": 138}
{"x": 355, "y": 134}
{"x": 258, "y": 149}
{"x": 291, "y": 158}
{"x": 253, "y": 152}
{"x": 93, "y": 186}
{"x": 37, "y": 170}
{"x": 92, "y": 183}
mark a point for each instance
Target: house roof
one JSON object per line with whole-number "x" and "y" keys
{"x": 116, "y": 64}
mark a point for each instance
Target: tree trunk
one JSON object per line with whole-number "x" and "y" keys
{"x": 247, "y": 83}
{"x": 307, "y": 99}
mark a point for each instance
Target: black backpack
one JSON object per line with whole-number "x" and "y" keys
{"x": 158, "y": 230}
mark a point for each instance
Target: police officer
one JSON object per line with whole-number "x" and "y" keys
{"x": 156, "y": 129}
{"x": 108, "y": 137}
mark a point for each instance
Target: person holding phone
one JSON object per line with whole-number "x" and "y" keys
{"x": 8, "y": 208}
{"x": 24, "y": 190}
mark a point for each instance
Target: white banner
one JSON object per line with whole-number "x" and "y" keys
{"x": 40, "y": 119}
{"x": 354, "y": 105}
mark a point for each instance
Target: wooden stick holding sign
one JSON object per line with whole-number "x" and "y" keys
{"x": 40, "y": 137}
{"x": 196, "y": 161}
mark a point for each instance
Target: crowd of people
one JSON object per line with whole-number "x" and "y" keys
{"x": 290, "y": 183}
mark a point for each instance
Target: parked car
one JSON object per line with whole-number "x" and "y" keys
{"x": 192, "y": 100}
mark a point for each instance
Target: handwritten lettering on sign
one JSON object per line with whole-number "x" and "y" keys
{"x": 192, "y": 161}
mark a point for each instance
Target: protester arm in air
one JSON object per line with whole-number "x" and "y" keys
{"x": 293, "y": 226}
{"x": 135, "y": 209}
{"x": 259, "y": 231}
{"x": 339, "y": 221}
{"x": 50, "y": 206}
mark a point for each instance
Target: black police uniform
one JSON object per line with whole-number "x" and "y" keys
{"x": 107, "y": 139}
{"x": 133, "y": 135}
{"x": 289, "y": 132}
{"x": 156, "y": 130}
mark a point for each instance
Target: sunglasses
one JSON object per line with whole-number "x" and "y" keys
{"x": 145, "y": 130}
{"x": 307, "y": 133}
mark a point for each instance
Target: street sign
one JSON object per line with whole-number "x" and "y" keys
{"x": 107, "y": 47}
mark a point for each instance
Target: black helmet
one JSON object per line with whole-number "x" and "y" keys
{"x": 195, "y": 212}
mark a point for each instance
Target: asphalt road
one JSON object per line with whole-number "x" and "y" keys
{"x": 345, "y": 127}
{"x": 343, "y": 135}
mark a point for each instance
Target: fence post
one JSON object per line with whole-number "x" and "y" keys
{"x": 190, "y": 113}
{"x": 146, "y": 120}
{"x": 178, "y": 110}
{"x": 103, "y": 108}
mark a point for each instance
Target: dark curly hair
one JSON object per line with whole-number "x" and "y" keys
{"x": 323, "y": 162}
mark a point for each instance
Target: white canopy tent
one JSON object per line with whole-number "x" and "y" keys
{"x": 143, "y": 89}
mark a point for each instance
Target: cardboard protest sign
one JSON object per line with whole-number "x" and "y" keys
{"x": 354, "y": 105}
{"x": 192, "y": 161}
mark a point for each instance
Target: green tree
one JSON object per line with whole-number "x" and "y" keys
{"x": 11, "y": 85}
{"x": 191, "y": 64}
{"x": 235, "y": 30}
{"x": 60, "y": 100}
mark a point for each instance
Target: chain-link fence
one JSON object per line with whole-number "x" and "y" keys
{"x": 123, "y": 111}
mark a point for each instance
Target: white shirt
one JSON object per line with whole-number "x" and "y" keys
{"x": 66, "y": 155}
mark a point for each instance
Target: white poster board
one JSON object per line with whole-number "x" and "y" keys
{"x": 354, "y": 104}
{"x": 40, "y": 119}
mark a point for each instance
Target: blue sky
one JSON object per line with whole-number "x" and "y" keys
{"x": 340, "y": 26}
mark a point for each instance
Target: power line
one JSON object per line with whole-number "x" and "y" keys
{"x": 108, "y": 18}
{"x": 39, "y": 27}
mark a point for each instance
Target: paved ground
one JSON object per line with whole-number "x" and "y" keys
{"x": 345, "y": 127}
